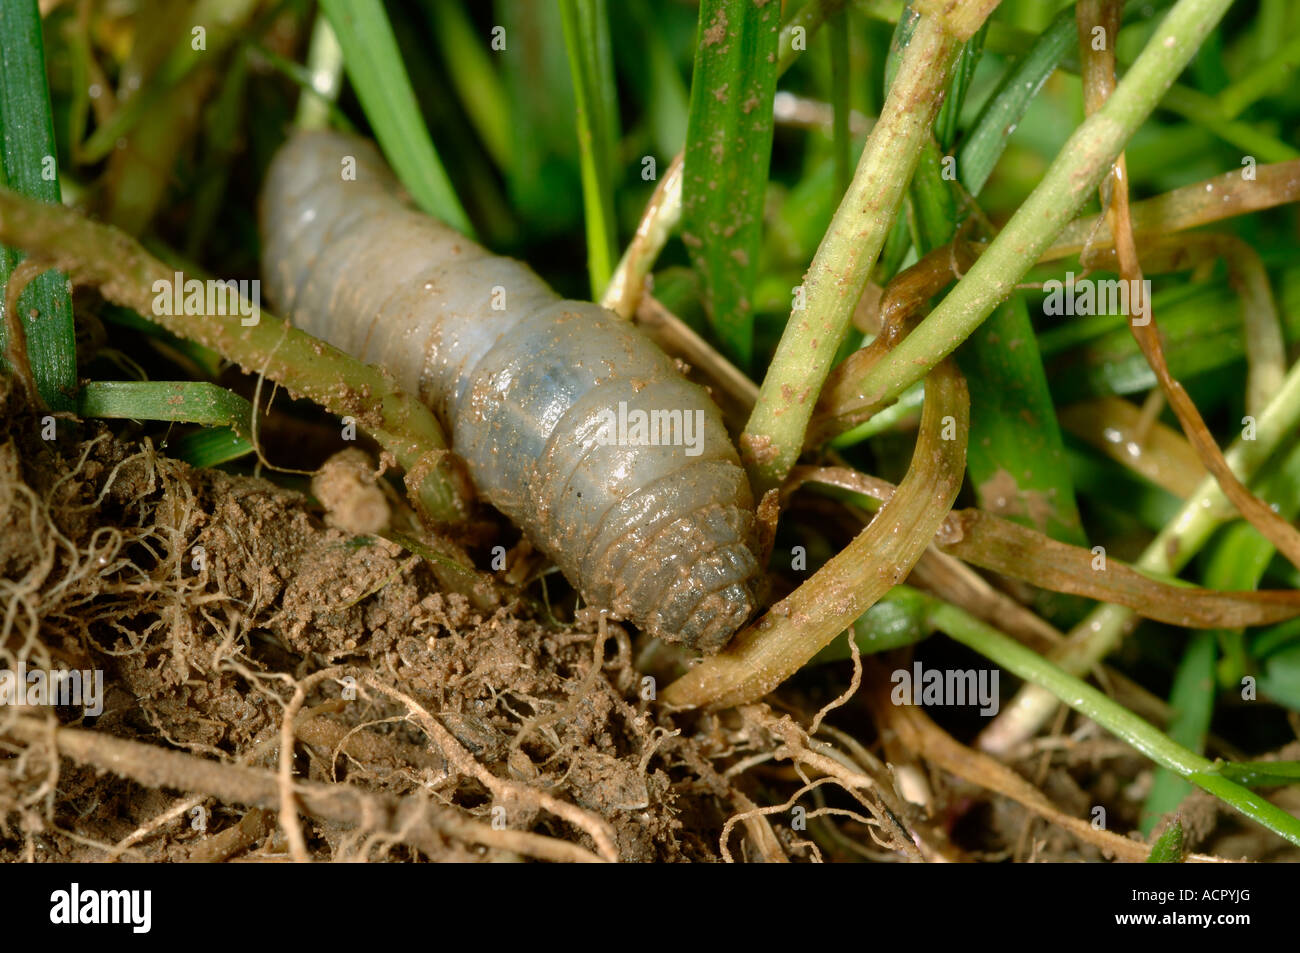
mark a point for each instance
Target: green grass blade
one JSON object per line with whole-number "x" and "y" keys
{"x": 194, "y": 402}
{"x": 1192, "y": 701}
{"x": 1241, "y": 557}
{"x": 586, "y": 38}
{"x": 1263, "y": 77}
{"x": 1196, "y": 107}
{"x": 28, "y": 166}
{"x": 1260, "y": 774}
{"x": 1119, "y": 721}
{"x": 933, "y": 205}
{"x": 1168, "y": 849}
{"x": 661, "y": 82}
{"x": 837, "y": 33}
{"x": 1005, "y": 107}
{"x": 210, "y": 447}
{"x": 323, "y": 77}
{"x": 728, "y": 149}
{"x": 898, "y": 619}
{"x": 1096, "y": 356}
{"x": 375, "y": 68}
{"x": 477, "y": 82}
{"x": 907, "y": 406}
{"x": 543, "y": 176}
{"x": 945, "y": 124}
{"x": 1016, "y": 457}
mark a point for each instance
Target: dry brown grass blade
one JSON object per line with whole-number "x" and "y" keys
{"x": 1212, "y": 200}
{"x": 1099, "y": 66}
{"x": 1019, "y": 552}
{"x": 660, "y": 216}
{"x": 1161, "y": 455}
{"x": 1261, "y": 327}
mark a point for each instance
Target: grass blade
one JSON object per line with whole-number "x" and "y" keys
{"x": 29, "y": 167}
{"x": 1004, "y": 109}
{"x": 1192, "y": 700}
{"x": 838, "y": 35}
{"x": 1119, "y": 721}
{"x": 375, "y": 68}
{"x": 1260, "y": 774}
{"x": 211, "y": 447}
{"x": 1168, "y": 849}
{"x": 586, "y": 38}
{"x": 193, "y": 402}
{"x": 728, "y": 148}
{"x": 1017, "y": 459}
{"x": 481, "y": 89}
{"x": 945, "y": 124}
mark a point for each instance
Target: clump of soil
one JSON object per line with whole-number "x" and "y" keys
{"x": 208, "y": 600}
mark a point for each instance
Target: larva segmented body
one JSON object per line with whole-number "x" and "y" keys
{"x": 528, "y": 386}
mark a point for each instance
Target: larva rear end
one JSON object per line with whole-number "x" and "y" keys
{"x": 570, "y": 421}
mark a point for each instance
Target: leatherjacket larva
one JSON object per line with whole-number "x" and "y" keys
{"x": 569, "y": 420}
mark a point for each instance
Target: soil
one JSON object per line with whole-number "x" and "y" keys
{"x": 426, "y": 722}
{"x": 205, "y": 597}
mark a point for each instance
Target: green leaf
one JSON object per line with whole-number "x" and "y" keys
{"x": 1016, "y": 457}
{"x": 838, "y": 35}
{"x": 1260, "y": 774}
{"x": 196, "y": 402}
{"x": 28, "y": 165}
{"x": 470, "y": 66}
{"x": 1192, "y": 701}
{"x": 375, "y": 68}
{"x": 1005, "y": 107}
{"x": 543, "y": 175}
{"x": 1168, "y": 849}
{"x": 728, "y": 150}
{"x": 586, "y": 38}
{"x": 210, "y": 447}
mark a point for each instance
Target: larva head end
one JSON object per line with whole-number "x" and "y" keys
{"x": 719, "y": 617}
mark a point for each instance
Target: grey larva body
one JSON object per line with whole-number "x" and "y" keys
{"x": 527, "y": 384}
